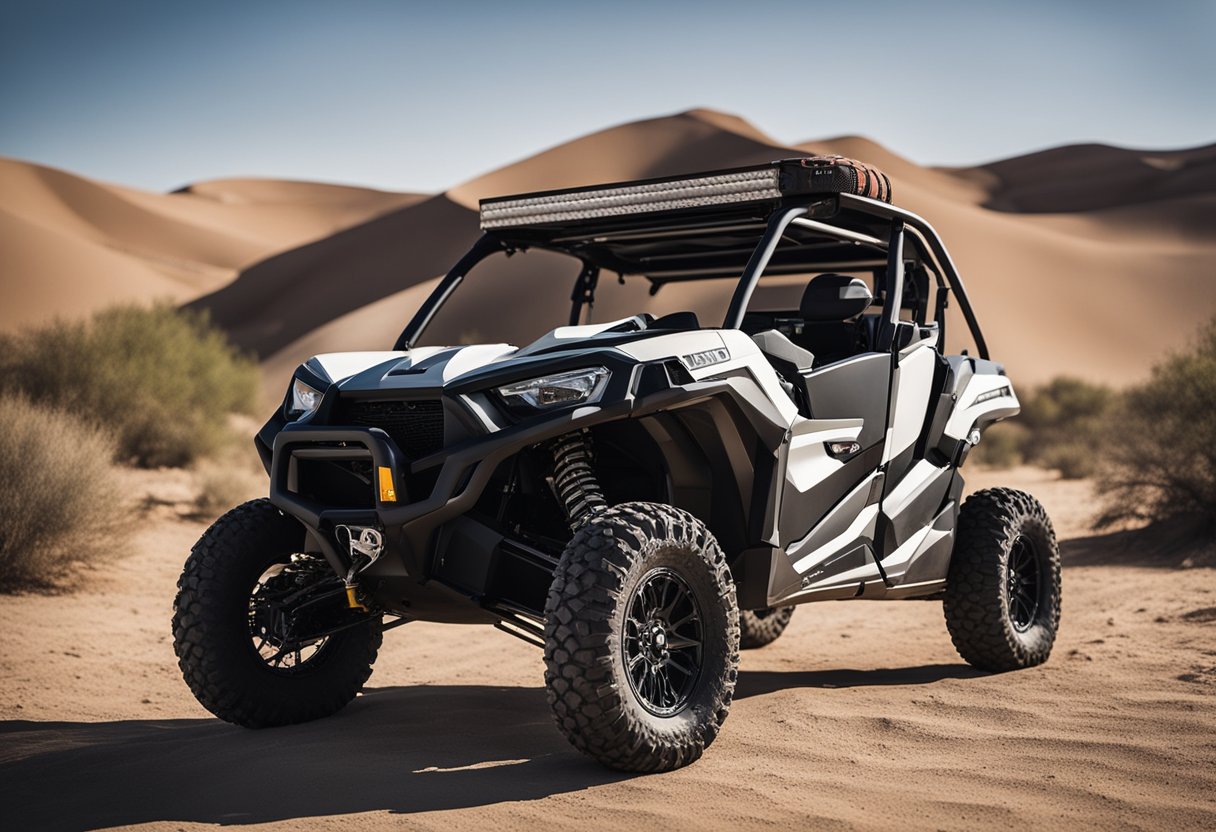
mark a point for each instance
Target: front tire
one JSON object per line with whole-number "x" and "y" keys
{"x": 1002, "y": 600}
{"x": 760, "y": 627}
{"x": 641, "y": 638}
{"x": 233, "y": 656}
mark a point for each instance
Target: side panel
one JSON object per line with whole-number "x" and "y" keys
{"x": 829, "y": 499}
{"x": 916, "y": 488}
{"x": 849, "y": 521}
{"x": 911, "y": 385}
{"x": 985, "y": 398}
{"x": 853, "y": 389}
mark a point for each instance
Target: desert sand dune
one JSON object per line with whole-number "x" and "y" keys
{"x": 860, "y": 717}
{"x": 1096, "y": 177}
{"x": 289, "y": 295}
{"x": 1050, "y": 288}
{"x": 1087, "y": 259}
{"x": 69, "y": 245}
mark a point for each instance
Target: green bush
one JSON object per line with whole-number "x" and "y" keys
{"x": 1064, "y": 425}
{"x": 1163, "y": 465}
{"x": 1067, "y": 423}
{"x": 162, "y": 380}
{"x": 1074, "y": 460}
{"x": 1066, "y": 405}
{"x": 60, "y": 500}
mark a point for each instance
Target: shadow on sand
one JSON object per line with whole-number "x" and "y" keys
{"x": 405, "y": 750}
{"x": 401, "y": 750}
{"x": 760, "y": 682}
{"x": 1180, "y": 542}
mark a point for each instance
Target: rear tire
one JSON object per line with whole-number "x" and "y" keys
{"x": 1002, "y": 599}
{"x": 213, "y": 621}
{"x": 641, "y": 638}
{"x": 760, "y": 627}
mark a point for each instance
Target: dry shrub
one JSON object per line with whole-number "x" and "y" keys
{"x": 1001, "y": 446}
{"x": 60, "y": 500}
{"x": 225, "y": 484}
{"x": 1067, "y": 425}
{"x": 1064, "y": 425}
{"x": 160, "y": 379}
{"x": 1163, "y": 463}
{"x": 1074, "y": 460}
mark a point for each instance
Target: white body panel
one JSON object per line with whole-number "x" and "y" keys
{"x": 741, "y": 353}
{"x": 809, "y": 463}
{"x": 862, "y": 526}
{"x": 337, "y": 366}
{"x": 911, "y": 389}
{"x": 474, "y": 358}
{"x": 967, "y": 412}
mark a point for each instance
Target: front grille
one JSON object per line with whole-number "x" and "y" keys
{"x": 416, "y": 426}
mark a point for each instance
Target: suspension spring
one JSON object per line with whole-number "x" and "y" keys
{"x": 574, "y": 479}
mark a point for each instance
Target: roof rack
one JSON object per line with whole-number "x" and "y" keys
{"x": 815, "y": 175}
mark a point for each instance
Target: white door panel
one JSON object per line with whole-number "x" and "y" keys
{"x": 912, "y": 385}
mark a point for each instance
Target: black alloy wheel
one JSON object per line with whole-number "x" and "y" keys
{"x": 662, "y": 642}
{"x": 1023, "y": 583}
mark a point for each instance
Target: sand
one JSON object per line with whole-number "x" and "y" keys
{"x": 70, "y": 245}
{"x": 860, "y": 717}
{"x": 1087, "y": 260}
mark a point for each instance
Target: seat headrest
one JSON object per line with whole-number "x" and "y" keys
{"x": 834, "y": 297}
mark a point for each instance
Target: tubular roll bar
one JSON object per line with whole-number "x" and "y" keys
{"x": 483, "y": 248}
{"x": 902, "y": 222}
{"x": 777, "y": 224}
{"x": 924, "y": 231}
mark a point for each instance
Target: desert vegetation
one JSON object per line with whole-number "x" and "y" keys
{"x": 143, "y": 386}
{"x": 1062, "y": 427}
{"x": 1150, "y": 448}
{"x": 60, "y": 498}
{"x": 231, "y": 477}
{"x": 160, "y": 380}
{"x": 1159, "y": 460}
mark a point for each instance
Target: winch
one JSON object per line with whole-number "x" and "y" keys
{"x": 365, "y": 544}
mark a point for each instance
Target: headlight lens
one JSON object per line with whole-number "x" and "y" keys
{"x": 556, "y": 390}
{"x": 304, "y": 399}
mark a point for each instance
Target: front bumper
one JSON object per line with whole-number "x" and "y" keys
{"x": 408, "y": 524}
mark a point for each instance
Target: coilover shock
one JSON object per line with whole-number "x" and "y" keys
{"x": 574, "y": 479}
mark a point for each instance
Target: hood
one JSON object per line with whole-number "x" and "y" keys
{"x": 437, "y": 366}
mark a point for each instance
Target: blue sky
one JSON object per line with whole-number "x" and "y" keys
{"x": 422, "y": 96}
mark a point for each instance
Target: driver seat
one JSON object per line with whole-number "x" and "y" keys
{"x": 830, "y": 306}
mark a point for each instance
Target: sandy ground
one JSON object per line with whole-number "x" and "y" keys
{"x": 861, "y": 716}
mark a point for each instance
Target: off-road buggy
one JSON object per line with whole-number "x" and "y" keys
{"x": 640, "y": 497}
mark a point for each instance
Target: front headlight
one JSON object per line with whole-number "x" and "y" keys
{"x": 304, "y": 399}
{"x": 579, "y": 386}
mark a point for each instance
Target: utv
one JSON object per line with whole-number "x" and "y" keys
{"x": 644, "y": 496}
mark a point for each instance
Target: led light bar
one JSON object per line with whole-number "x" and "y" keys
{"x": 621, "y": 200}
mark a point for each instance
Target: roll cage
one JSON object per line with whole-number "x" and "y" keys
{"x": 754, "y": 233}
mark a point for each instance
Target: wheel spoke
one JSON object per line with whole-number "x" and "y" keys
{"x": 682, "y": 663}
{"x": 678, "y": 642}
{"x": 690, "y": 617}
{"x": 667, "y": 696}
